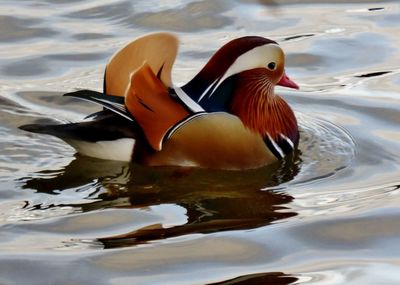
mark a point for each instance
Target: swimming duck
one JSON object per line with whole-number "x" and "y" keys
{"x": 226, "y": 117}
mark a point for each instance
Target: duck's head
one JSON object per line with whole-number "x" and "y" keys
{"x": 247, "y": 54}
{"x": 240, "y": 78}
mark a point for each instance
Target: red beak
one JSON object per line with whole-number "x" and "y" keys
{"x": 287, "y": 82}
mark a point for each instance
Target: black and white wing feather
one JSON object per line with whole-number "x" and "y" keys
{"x": 115, "y": 104}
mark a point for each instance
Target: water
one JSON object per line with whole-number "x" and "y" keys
{"x": 328, "y": 215}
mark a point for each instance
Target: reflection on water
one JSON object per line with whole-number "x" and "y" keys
{"x": 327, "y": 215}
{"x": 213, "y": 200}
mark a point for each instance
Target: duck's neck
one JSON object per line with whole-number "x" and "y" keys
{"x": 261, "y": 110}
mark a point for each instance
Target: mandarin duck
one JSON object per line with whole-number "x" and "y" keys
{"x": 226, "y": 117}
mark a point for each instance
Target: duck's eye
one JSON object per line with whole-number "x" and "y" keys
{"x": 271, "y": 65}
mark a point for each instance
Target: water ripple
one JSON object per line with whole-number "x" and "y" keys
{"x": 326, "y": 149}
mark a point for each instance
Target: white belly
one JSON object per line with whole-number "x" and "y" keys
{"x": 120, "y": 149}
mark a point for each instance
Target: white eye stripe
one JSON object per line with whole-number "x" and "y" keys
{"x": 254, "y": 58}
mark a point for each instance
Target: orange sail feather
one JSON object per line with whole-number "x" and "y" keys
{"x": 158, "y": 50}
{"x": 148, "y": 101}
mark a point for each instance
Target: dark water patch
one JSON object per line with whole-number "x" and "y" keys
{"x": 114, "y": 11}
{"x": 7, "y": 103}
{"x": 192, "y": 17}
{"x": 170, "y": 256}
{"x": 366, "y": 232}
{"x": 289, "y": 2}
{"x": 388, "y": 20}
{"x": 55, "y": 181}
{"x": 201, "y": 55}
{"x": 336, "y": 54}
{"x": 305, "y": 60}
{"x": 27, "y": 67}
{"x": 86, "y": 225}
{"x": 31, "y": 265}
{"x": 60, "y": 2}
{"x": 90, "y": 36}
{"x": 77, "y": 57}
{"x": 374, "y": 154}
{"x": 43, "y": 97}
{"x": 53, "y": 100}
{"x": 376, "y": 9}
{"x": 276, "y": 278}
{"x": 386, "y": 112}
{"x": 373, "y": 74}
{"x": 386, "y": 16}
{"x": 296, "y": 37}
{"x": 14, "y": 29}
{"x": 48, "y": 64}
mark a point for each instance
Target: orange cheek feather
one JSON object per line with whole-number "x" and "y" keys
{"x": 260, "y": 109}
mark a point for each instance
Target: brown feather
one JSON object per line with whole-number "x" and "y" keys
{"x": 212, "y": 140}
{"x": 149, "y": 102}
{"x": 158, "y": 50}
{"x": 261, "y": 110}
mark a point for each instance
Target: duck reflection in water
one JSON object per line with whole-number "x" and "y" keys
{"x": 214, "y": 200}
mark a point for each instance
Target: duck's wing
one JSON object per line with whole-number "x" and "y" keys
{"x": 147, "y": 103}
{"x": 152, "y": 107}
{"x": 158, "y": 50}
{"x": 115, "y": 104}
{"x": 107, "y": 136}
{"x": 105, "y": 127}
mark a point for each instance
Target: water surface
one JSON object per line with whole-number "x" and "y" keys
{"x": 327, "y": 215}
